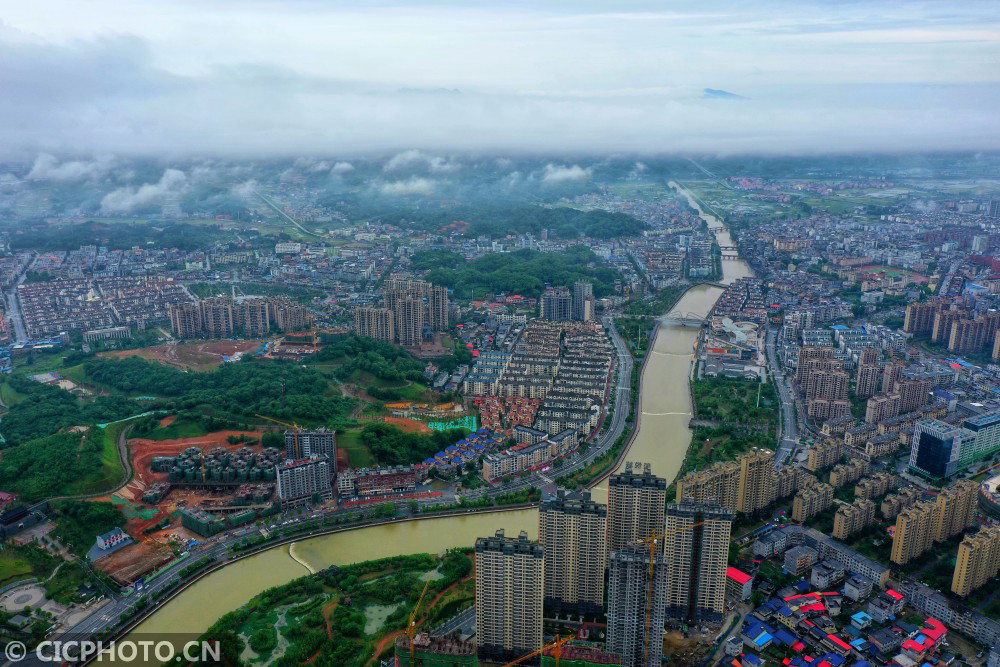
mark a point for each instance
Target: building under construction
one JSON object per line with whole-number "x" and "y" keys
{"x": 582, "y": 654}
{"x": 220, "y": 466}
{"x": 434, "y": 651}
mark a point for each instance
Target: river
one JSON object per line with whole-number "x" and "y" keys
{"x": 662, "y": 441}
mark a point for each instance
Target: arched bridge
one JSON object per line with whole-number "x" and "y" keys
{"x": 684, "y": 319}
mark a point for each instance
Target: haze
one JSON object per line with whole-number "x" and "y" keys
{"x": 299, "y": 77}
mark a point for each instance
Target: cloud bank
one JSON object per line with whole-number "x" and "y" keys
{"x": 299, "y": 77}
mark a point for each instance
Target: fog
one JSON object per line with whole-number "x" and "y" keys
{"x": 269, "y": 78}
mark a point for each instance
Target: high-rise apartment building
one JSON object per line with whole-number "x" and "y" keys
{"x": 922, "y": 524}
{"x": 583, "y": 301}
{"x": 437, "y": 308}
{"x": 185, "y": 320}
{"x": 254, "y": 316}
{"x": 409, "y": 320}
{"x": 881, "y": 407}
{"x": 557, "y": 304}
{"x": 509, "y": 589}
{"x": 986, "y": 428}
{"x": 913, "y": 393}
{"x": 892, "y": 374}
{"x": 944, "y": 319}
{"x": 696, "y": 547}
{"x": 869, "y": 372}
{"x": 756, "y": 487}
{"x": 914, "y": 532}
{"x": 955, "y": 509}
{"x": 302, "y": 444}
{"x": 919, "y": 319}
{"x": 718, "y": 484}
{"x": 635, "y": 631}
{"x": 978, "y": 561}
{"x": 850, "y": 519}
{"x": 373, "y": 322}
{"x": 288, "y": 315}
{"x": 572, "y": 533}
{"x": 636, "y": 502}
{"x": 304, "y": 481}
{"x": 218, "y": 317}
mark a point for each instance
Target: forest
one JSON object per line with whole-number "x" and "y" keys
{"x": 50, "y": 466}
{"x": 277, "y": 389}
{"x": 47, "y": 409}
{"x": 524, "y": 272}
{"x": 391, "y": 446}
{"x": 381, "y": 359}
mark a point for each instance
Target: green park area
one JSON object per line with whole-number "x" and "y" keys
{"x": 348, "y": 616}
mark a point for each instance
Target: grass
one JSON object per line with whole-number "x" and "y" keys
{"x": 180, "y": 428}
{"x": 13, "y": 568}
{"x": 9, "y": 395}
{"x": 357, "y": 453}
{"x": 112, "y": 471}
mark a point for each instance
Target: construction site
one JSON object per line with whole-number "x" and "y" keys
{"x": 185, "y": 490}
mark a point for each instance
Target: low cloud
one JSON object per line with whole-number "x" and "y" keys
{"x": 409, "y": 186}
{"x": 48, "y": 168}
{"x": 341, "y": 168}
{"x": 415, "y": 159}
{"x": 557, "y": 173}
{"x": 128, "y": 199}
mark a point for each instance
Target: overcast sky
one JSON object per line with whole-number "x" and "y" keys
{"x": 289, "y": 77}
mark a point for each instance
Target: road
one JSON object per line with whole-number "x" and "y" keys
{"x": 281, "y": 212}
{"x": 464, "y": 621}
{"x": 14, "y": 308}
{"x": 219, "y": 551}
{"x": 789, "y": 415}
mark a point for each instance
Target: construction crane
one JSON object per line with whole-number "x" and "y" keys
{"x": 411, "y": 627}
{"x": 295, "y": 430}
{"x": 556, "y": 647}
{"x": 652, "y": 541}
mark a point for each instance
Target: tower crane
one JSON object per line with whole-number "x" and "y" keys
{"x": 295, "y": 430}
{"x": 556, "y": 647}
{"x": 652, "y": 541}
{"x": 411, "y": 626}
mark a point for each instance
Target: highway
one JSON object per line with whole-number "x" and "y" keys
{"x": 277, "y": 209}
{"x": 110, "y": 612}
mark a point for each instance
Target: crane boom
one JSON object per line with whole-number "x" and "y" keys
{"x": 295, "y": 430}
{"x": 411, "y": 627}
{"x": 555, "y": 646}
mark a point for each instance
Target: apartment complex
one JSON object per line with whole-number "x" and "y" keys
{"x": 375, "y": 322}
{"x": 746, "y": 485}
{"x": 412, "y": 309}
{"x": 304, "y": 481}
{"x": 557, "y": 304}
{"x": 853, "y": 518}
{"x": 824, "y": 383}
{"x": 978, "y": 560}
{"x": 572, "y": 533}
{"x": 696, "y": 546}
{"x": 869, "y": 372}
{"x": 824, "y": 454}
{"x": 922, "y": 524}
{"x": 630, "y": 634}
{"x": 509, "y": 590}
{"x": 636, "y": 502}
{"x": 810, "y": 501}
{"x": 757, "y": 487}
{"x": 224, "y": 317}
{"x": 302, "y": 444}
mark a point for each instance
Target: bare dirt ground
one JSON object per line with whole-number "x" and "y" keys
{"x": 199, "y": 356}
{"x": 409, "y": 425}
{"x": 128, "y": 564}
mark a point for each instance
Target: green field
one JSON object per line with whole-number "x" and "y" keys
{"x": 9, "y": 395}
{"x": 350, "y": 441}
{"x": 180, "y": 428}
{"x": 13, "y": 567}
